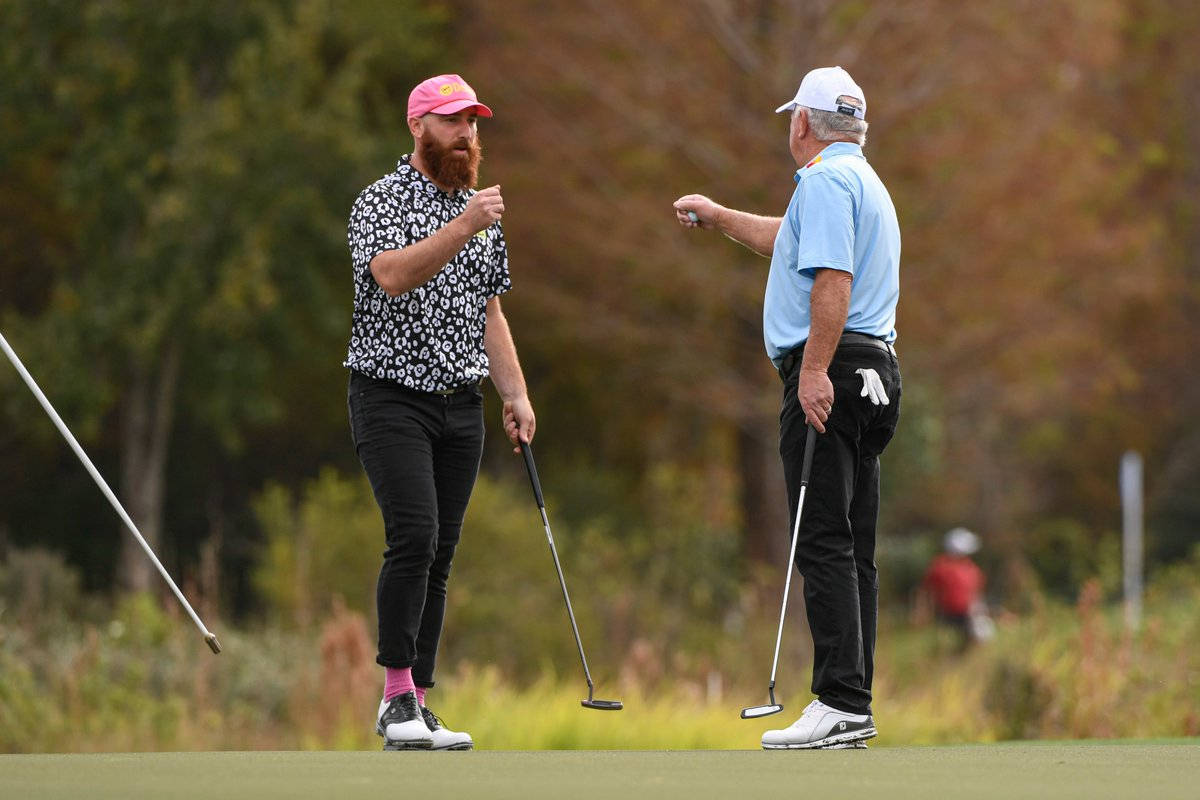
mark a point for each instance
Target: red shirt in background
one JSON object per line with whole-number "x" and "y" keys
{"x": 955, "y": 583}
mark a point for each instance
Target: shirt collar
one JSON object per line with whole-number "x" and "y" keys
{"x": 832, "y": 151}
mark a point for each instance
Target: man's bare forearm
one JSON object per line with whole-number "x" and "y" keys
{"x": 751, "y": 230}
{"x": 400, "y": 271}
{"x": 506, "y": 371}
{"x": 830, "y": 303}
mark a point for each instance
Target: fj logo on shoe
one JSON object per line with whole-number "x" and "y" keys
{"x": 841, "y": 726}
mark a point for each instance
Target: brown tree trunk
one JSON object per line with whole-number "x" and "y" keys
{"x": 146, "y": 417}
{"x": 763, "y": 496}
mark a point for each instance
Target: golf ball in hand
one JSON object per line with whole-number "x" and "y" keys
{"x": 692, "y": 216}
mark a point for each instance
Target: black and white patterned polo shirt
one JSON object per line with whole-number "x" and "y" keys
{"x": 430, "y": 338}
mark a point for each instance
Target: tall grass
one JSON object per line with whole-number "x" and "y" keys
{"x": 136, "y": 676}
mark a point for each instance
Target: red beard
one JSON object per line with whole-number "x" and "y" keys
{"x": 448, "y": 166}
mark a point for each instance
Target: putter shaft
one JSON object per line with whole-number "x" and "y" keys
{"x": 591, "y": 702}
{"x": 810, "y": 442}
{"x": 562, "y": 582}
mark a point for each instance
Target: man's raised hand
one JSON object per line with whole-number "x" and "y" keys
{"x": 484, "y": 208}
{"x": 695, "y": 211}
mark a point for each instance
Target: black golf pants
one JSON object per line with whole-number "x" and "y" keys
{"x": 835, "y": 551}
{"x": 421, "y": 453}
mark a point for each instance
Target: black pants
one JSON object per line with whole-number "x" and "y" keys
{"x": 835, "y": 551}
{"x": 421, "y": 453}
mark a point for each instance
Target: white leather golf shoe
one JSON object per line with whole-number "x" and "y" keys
{"x": 820, "y": 727}
{"x": 443, "y": 737}
{"x": 401, "y": 724}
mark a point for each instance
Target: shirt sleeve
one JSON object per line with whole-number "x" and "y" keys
{"x": 826, "y": 222}
{"x": 378, "y": 222}
{"x": 501, "y": 280}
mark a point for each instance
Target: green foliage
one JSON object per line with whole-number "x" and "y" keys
{"x": 144, "y": 681}
{"x": 902, "y": 563}
{"x": 1017, "y": 699}
{"x": 323, "y": 545}
{"x": 1065, "y": 553}
{"x": 503, "y": 594}
{"x": 662, "y": 586}
{"x": 1177, "y": 583}
{"x": 37, "y": 585}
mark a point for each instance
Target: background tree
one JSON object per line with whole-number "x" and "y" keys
{"x": 174, "y": 183}
{"x": 187, "y": 170}
{"x": 1034, "y": 287}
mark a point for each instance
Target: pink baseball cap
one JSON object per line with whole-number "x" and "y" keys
{"x": 444, "y": 94}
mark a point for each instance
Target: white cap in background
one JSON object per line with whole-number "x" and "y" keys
{"x": 961, "y": 542}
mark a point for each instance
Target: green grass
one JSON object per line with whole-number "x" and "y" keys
{"x": 1050, "y": 770}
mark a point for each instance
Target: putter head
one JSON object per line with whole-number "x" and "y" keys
{"x": 753, "y": 712}
{"x": 602, "y": 705}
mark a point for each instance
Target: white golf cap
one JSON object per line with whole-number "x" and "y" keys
{"x": 961, "y": 542}
{"x": 829, "y": 89}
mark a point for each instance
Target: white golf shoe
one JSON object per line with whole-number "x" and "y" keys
{"x": 821, "y": 727}
{"x": 443, "y": 737}
{"x": 401, "y": 724}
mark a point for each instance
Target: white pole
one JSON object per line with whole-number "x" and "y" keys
{"x": 209, "y": 637}
{"x": 1131, "y": 517}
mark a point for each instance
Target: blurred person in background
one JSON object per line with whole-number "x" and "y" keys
{"x": 953, "y": 589}
{"x": 430, "y": 264}
{"x": 829, "y": 321}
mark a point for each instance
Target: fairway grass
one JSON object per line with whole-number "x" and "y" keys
{"x": 1045, "y": 770}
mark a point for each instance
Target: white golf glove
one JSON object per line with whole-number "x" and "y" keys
{"x": 873, "y": 387}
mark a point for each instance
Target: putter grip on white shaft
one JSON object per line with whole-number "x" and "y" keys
{"x": 527, "y": 451}
{"x": 810, "y": 442}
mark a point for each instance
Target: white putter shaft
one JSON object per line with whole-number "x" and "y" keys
{"x": 209, "y": 637}
{"x": 753, "y": 712}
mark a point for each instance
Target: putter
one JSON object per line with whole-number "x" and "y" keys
{"x": 754, "y": 712}
{"x": 209, "y": 638}
{"x": 591, "y": 702}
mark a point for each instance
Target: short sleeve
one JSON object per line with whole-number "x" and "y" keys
{"x": 501, "y": 281}
{"x": 378, "y": 222}
{"x": 826, "y": 223}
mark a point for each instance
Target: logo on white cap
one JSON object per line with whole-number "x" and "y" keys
{"x": 829, "y": 89}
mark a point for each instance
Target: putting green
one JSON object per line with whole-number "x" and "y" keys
{"x": 1050, "y": 770}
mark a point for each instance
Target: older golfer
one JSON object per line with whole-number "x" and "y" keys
{"x": 829, "y": 320}
{"x": 430, "y": 264}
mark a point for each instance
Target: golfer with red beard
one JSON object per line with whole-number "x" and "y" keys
{"x": 430, "y": 264}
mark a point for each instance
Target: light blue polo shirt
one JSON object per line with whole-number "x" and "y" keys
{"x": 840, "y": 217}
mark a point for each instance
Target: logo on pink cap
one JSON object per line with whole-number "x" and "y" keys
{"x": 444, "y": 94}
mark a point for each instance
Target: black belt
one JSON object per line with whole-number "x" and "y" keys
{"x": 456, "y": 389}
{"x": 848, "y": 339}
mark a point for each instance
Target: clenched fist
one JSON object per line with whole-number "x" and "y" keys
{"x": 485, "y": 207}
{"x": 696, "y": 211}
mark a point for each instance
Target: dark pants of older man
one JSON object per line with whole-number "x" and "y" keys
{"x": 835, "y": 551}
{"x": 421, "y": 453}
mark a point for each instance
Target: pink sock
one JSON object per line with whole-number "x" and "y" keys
{"x": 421, "y": 695}
{"x": 398, "y": 681}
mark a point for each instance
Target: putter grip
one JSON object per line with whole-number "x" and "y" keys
{"x": 810, "y": 442}
{"x": 527, "y": 451}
